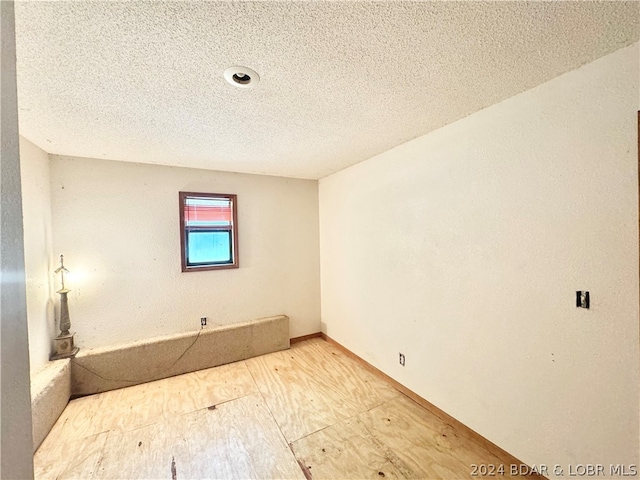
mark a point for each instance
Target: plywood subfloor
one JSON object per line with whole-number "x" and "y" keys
{"x": 309, "y": 412}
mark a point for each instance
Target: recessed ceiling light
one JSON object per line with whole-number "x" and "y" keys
{"x": 242, "y": 77}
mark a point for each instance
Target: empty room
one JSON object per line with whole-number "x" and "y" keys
{"x": 320, "y": 239}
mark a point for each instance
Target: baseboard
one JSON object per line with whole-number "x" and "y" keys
{"x": 50, "y": 393}
{"x": 460, "y": 428}
{"x": 305, "y": 337}
{"x": 108, "y": 368}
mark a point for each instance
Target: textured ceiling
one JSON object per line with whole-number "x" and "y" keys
{"x": 340, "y": 81}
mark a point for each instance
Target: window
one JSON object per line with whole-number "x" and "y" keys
{"x": 208, "y": 231}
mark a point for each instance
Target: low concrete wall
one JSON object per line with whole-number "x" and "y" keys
{"x": 50, "y": 392}
{"x": 101, "y": 369}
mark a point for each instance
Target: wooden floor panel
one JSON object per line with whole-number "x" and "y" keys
{"x": 310, "y": 411}
{"x": 425, "y": 445}
{"x": 395, "y": 440}
{"x": 161, "y": 400}
{"x": 143, "y": 453}
{"x": 296, "y": 399}
{"x": 244, "y": 442}
{"x": 345, "y": 450}
{"x": 140, "y": 406}
{"x": 313, "y": 386}
{"x": 75, "y": 459}
{"x": 86, "y": 416}
{"x": 224, "y": 383}
{"x": 337, "y": 373}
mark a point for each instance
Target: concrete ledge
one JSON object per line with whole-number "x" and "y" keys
{"x": 108, "y": 368}
{"x": 50, "y": 392}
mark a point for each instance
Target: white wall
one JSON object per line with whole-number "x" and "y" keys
{"x": 38, "y": 252}
{"x": 16, "y": 444}
{"x": 463, "y": 249}
{"x": 117, "y": 225}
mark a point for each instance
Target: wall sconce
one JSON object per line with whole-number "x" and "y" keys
{"x": 64, "y": 341}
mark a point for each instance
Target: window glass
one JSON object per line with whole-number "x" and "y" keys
{"x": 209, "y": 247}
{"x": 208, "y": 229}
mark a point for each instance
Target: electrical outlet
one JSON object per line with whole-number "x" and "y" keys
{"x": 401, "y": 359}
{"x": 203, "y": 321}
{"x": 582, "y": 299}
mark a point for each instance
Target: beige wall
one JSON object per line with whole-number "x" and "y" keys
{"x": 463, "y": 249}
{"x": 40, "y": 261}
{"x": 118, "y": 226}
{"x": 15, "y": 406}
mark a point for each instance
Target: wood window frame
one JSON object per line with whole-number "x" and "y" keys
{"x": 233, "y": 199}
